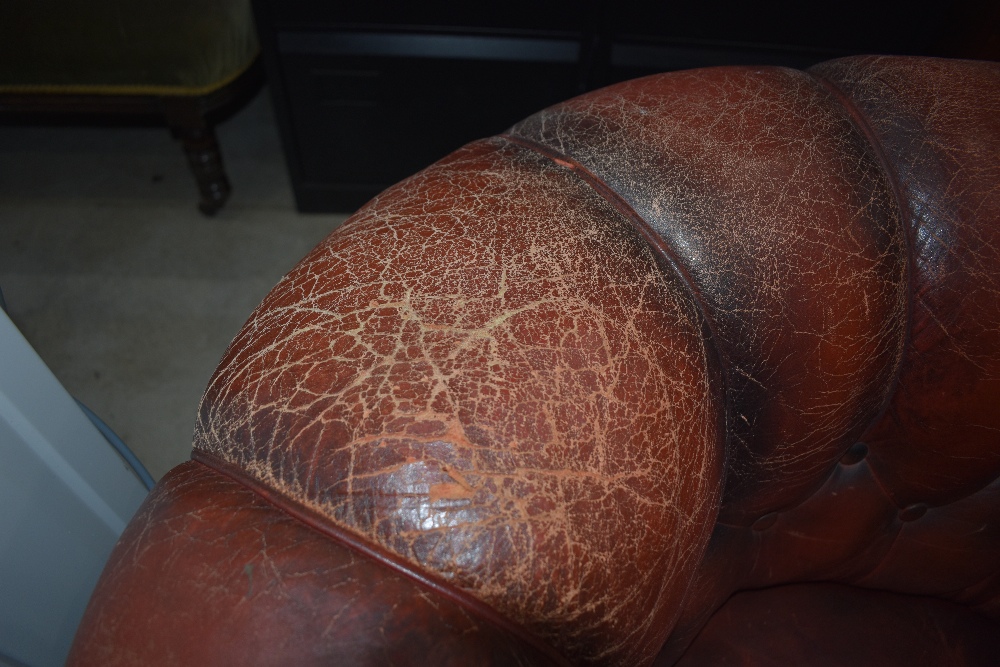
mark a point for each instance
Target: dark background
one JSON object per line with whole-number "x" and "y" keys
{"x": 368, "y": 93}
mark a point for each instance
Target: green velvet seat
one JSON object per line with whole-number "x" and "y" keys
{"x": 181, "y": 59}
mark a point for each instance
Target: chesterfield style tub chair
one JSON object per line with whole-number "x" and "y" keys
{"x": 698, "y": 369}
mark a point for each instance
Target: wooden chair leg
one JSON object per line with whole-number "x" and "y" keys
{"x": 188, "y": 125}
{"x": 206, "y": 164}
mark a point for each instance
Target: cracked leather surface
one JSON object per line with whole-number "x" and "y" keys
{"x": 937, "y": 123}
{"x": 690, "y": 335}
{"x": 929, "y": 527}
{"x": 469, "y": 378}
{"x": 775, "y": 207}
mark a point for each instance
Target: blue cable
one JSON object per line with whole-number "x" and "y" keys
{"x": 120, "y": 447}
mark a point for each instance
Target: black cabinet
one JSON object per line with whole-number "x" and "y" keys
{"x": 369, "y": 93}
{"x": 368, "y": 109}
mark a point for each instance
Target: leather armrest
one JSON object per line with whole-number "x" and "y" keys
{"x": 489, "y": 377}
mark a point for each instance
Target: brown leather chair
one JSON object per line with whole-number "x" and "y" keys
{"x": 698, "y": 369}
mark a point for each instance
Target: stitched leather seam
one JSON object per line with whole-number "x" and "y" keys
{"x": 661, "y": 247}
{"x": 861, "y": 123}
{"x": 359, "y": 545}
{"x": 905, "y": 220}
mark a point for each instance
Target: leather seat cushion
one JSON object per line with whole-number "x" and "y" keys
{"x": 836, "y": 625}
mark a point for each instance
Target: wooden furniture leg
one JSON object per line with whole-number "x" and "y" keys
{"x": 188, "y": 125}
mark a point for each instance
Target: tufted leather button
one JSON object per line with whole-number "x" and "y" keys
{"x": 765, "y": 521}
{"x": 913, "y": 512}
{"x": 855, "y": 454}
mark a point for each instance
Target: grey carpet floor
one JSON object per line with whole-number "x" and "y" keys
{"x": 124, "y": 289}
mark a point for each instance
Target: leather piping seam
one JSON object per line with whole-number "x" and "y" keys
{"x": 316, "y": 521}
{"x": 905, "y": 220}
{"x": 625, "y": 209}
{"x": 659, "y": 246}
{"x": 860, "y": 122}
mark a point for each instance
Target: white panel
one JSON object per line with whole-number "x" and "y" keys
{"x": 65, "y": 497}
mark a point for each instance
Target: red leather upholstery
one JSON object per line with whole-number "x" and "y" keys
{"x": 556, "y": 398}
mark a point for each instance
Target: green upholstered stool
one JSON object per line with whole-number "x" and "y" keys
{"x": 183, "y": 61}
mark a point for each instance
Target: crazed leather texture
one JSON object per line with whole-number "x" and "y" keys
{"x": 572, "y": 387}
{"x": 503, "y": 402}
{"x": 773, "y": 203}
